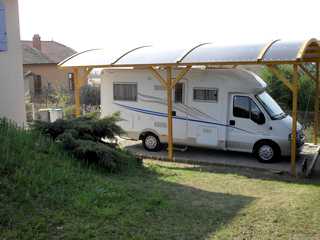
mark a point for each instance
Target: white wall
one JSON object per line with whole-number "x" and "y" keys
{"x": 11, "y": 80}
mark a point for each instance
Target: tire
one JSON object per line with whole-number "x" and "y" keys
{"x": 267, "y": 152}
{"x": 151, "y": 142}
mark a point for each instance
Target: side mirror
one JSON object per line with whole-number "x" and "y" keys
{"x": 262, "y": 118}
{"x": 258, "y": 118}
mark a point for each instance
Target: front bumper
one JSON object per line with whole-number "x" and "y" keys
{"x": 286, "y": 145}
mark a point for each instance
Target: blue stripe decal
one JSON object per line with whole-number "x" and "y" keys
{"x": 160, "y": 114}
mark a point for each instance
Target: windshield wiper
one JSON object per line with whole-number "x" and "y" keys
{"x": 279, "y": 116}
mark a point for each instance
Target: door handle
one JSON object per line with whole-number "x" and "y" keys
{"x": 232, "y": 122}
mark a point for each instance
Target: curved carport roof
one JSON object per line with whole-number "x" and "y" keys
{"x": 277, "y": 51}
{"x": 269, "y": 53}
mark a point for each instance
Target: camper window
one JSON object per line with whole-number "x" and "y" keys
{"x": 125, "y": 91}
{"x": 178, "y": 93}
{"x": 205, "y": 94}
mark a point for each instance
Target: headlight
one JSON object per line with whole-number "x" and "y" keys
{"x": 300, "y": 135}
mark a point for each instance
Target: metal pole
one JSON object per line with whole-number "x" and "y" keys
{"x": 169, "y": 102}
{"x": 294, "y": 119}
{"x": 316, "y": 106}
{"x": 76, "y": 91}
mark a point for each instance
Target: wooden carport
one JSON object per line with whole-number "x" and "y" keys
{"x": 271, "y": 54}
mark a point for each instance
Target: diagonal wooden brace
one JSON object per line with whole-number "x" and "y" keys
{"x": 280, "y": 76}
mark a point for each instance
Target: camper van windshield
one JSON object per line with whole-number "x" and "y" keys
{"x": 271, "y": 106}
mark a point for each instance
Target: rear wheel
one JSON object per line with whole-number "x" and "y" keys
{"x": 267, "y": 152}
{"x": 151, "y": 142}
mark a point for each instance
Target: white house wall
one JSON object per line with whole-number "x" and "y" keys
{"x": 11, "y": 78}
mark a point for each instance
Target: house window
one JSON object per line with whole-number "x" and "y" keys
{"x": 37, "y": 85}
{"x": 71, "y": 81}
{"x": 3, "y": 31}
{"x": 205, "y": 94}
{"x": 178, "y": 93}
{"x": 125, "y": 91}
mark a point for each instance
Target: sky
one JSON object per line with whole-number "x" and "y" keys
{"x": 83, "y": 24}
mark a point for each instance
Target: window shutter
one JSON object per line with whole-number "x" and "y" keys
{"x": 3, "y": 31}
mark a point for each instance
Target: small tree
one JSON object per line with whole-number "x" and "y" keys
{"x": 283, "y": 95}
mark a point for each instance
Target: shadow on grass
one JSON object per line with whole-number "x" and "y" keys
{"x": 138, "y": 205}
{"x": 246, "y": 172}
{"x": 273, "y": 174}
{"x": 145, "y": 206}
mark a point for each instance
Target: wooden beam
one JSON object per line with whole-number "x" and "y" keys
{"x": 222, "y": 63}
{"x": 181, "y": 74}
{"x": 265, "y": 49}
{"x": 76, "y": 91}
{"x": 303, "y": 48}
{"x": 307, "y": 56}
{"x": 306, "y": 71}
{"x": 316, "y": 105}
{"x": 295, "y": 90}
{"x": 308, "y": 50}
{"x": 280, "y": 76}
{"x": 169, "y": 103}
{"x": 158, "y": 76}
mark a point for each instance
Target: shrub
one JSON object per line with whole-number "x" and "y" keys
{"x": 90, "y": 140}
{"x": 68, "y": 112}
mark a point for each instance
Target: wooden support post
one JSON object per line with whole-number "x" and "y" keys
{"x": 169, "y": 102}
{"x": 180, "y": 75}
{"x": 316, "y": 105}
{"x": 79, "y": 81}
{"x": 76, "y": 91}
{"x": 169, "y": 84}
{"x": 295, "y": 90}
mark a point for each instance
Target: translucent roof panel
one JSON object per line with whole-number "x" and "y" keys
{"x": 95, "y": 57}
{"x": 92, "y": 57}
{"x": 203, "y": 54}
{"x": 152, "y": 55}
{"x": 225, "y": 53}
{"x": 283, "y": 51}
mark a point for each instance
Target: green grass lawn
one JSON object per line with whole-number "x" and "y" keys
{"x": 45, "y": 194}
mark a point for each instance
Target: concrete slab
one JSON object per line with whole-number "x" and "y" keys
{"x": 311, "y": 159}
{"x": 214, "y": 157}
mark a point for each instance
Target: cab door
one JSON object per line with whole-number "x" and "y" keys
{"x": 247, "y": 123}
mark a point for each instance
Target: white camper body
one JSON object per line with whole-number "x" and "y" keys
{"x": 216, "y": 108}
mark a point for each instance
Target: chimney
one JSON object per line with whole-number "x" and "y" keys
{"x": 36, "y": 42}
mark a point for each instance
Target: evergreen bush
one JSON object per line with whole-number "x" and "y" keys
{"x": 90, "y": 140}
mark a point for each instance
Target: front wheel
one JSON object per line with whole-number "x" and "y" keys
{"x": 151, "y": 142}
{"x": 267, "y": 152}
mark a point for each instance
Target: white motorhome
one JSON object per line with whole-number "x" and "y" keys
{"x": 225, "y": 109}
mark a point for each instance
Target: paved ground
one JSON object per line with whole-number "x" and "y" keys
{"x": 217, "y": 157}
